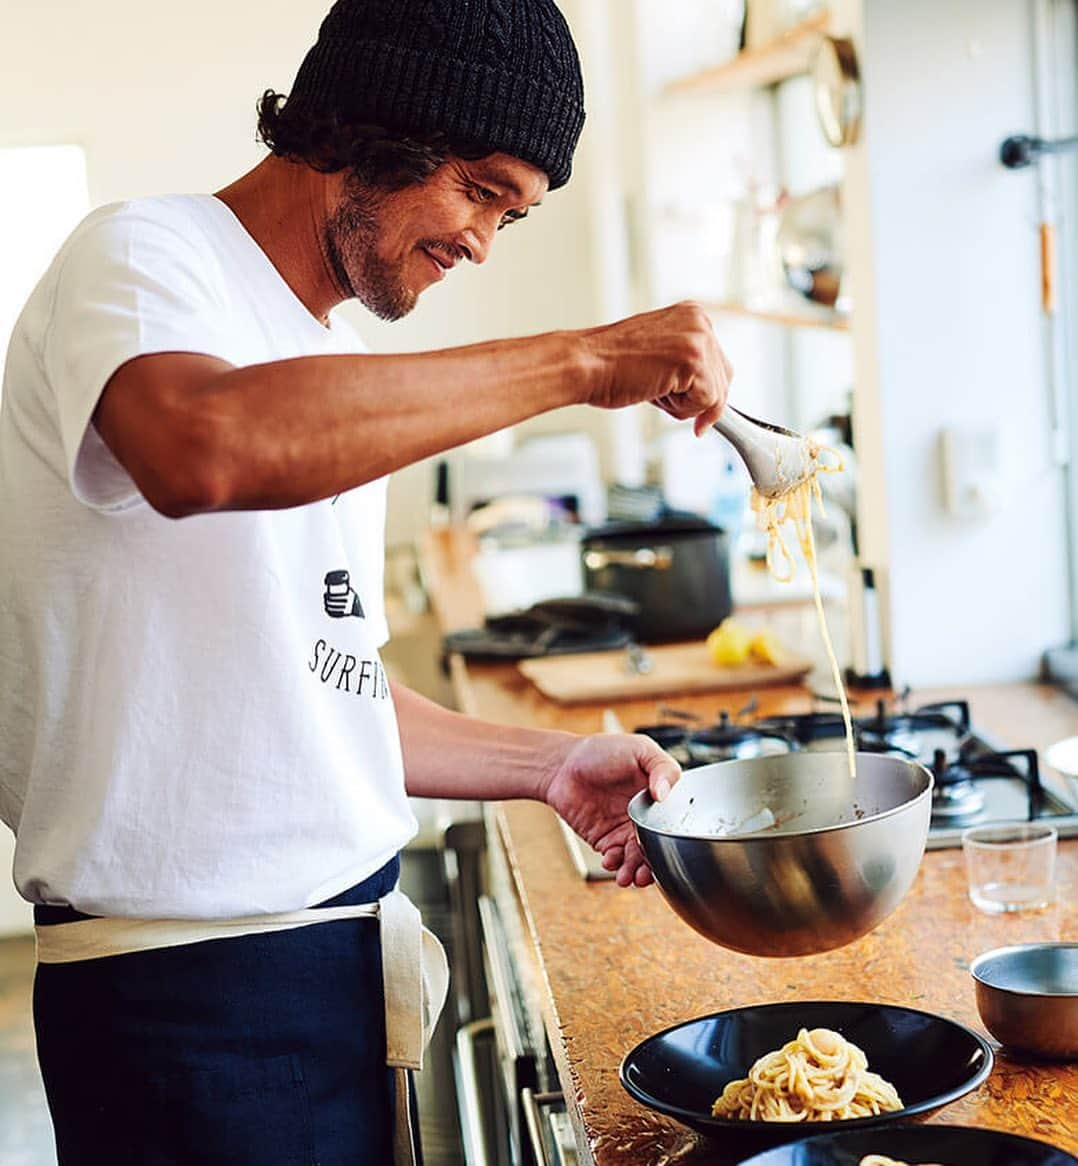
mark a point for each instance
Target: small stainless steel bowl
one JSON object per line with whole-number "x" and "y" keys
{"x": 1028, "y": 998}
{"x": 830, "y": 868}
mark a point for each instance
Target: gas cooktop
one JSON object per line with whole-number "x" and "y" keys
{"x": 975, "y": 782}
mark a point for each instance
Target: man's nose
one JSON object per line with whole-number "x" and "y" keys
{"x": 477, "y": 242}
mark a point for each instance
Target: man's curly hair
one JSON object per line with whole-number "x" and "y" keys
{"x": 378, "y": 156}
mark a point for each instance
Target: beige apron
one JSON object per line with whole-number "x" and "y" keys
{"x": 415, "y": 973}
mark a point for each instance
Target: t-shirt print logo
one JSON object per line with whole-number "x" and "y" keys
{"x": 336, "y": 667}
{"x": 339, "y": 598}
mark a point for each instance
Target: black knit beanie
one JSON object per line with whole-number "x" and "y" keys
{"x": 500, "y": 73}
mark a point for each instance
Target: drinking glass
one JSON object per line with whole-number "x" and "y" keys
{"x": 1010, "y": 867}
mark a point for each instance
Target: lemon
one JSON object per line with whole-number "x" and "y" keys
{"x": 729, "y": 644}
{"x": 766, "y": 647}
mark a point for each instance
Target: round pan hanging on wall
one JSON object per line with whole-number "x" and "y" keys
{"x": 837, "y": 84}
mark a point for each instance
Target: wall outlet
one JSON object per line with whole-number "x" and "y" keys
{"x": 972, "y": 471}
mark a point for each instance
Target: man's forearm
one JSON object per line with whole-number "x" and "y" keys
{"x": 197, "y": 434}
{"x": 447, "y": 755}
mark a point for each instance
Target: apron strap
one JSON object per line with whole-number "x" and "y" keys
{"x": 415, "y": 979}
{"x": 88, "y": 939}
{"x": 404, "y": 1139}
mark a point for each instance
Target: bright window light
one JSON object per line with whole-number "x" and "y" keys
{"x": 43, "y": 194}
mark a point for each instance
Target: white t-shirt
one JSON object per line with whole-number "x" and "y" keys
{"x": 194, "y": 718}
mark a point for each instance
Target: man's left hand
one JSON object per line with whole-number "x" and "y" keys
{"x": 591, "y": 789}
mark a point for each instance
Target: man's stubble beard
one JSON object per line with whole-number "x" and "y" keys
{"x": 350, "y": 240}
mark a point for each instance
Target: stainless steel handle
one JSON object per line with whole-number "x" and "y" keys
{"x": 531, "y": 1103}
{"x": 469, "y": 1102}
{"x": 494, "y": 944}
{"x": 642, "y": 559}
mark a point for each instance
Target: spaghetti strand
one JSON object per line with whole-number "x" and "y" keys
{"x": 796, "y": 506}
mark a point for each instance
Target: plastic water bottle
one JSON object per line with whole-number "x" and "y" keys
{"x": 730, "y": 500}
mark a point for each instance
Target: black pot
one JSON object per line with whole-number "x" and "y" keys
{"x": 676, "y": 569}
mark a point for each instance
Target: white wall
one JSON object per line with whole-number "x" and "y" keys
{"x": 160, "y": 103}
{"x": 955, "y": 255}
{"x": 42, "y": 196}
{"x": 16, "y": 914}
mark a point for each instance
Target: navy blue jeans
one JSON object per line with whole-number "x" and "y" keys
{"x": 261, "y": 1050}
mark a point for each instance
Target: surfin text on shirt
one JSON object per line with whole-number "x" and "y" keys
{"x": 349, "y": 673}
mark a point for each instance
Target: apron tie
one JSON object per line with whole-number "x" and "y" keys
{"x": 415, "y": 972}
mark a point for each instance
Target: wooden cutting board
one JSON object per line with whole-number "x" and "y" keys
{"x": 599, "y": 676}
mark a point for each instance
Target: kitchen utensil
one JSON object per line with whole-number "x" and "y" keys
{"x": 836, "y": 863}
{"x": 675, "y": 668}
{"x": 612, "y": 722}
{"x": 680, "y": 1072}
{"x": 677, "y": 570}
{"x": 1028, "y": 997}
{"x": 777, "y": 459}
{"x": 637, "y": 661}
{"x": 1021, "y": 150}
{"x": 836, "y": 82}
{"x": 810, "y": 246}
{"x": 1010, "y": 867}
{"x": 927, "y": 1143}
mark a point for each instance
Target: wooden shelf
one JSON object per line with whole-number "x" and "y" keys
{"x": 788, "y": 56}
{"x": 787, "y": 318}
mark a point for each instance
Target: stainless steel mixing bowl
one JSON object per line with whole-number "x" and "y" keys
{"x": 1028, "y": 997}
{"x": 837, "y": 860}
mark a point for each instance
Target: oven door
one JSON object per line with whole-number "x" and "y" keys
{"x": 550, "y": 1132}
{"x": 518, "y": 1046}
{"x": 509, "y": 1115}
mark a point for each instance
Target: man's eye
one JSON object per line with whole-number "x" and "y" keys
{"x": 512, "y": 217}
{"x": 483, "y": 194}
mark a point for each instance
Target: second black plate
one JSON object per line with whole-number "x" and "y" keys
{"x": 948, "y": 1145}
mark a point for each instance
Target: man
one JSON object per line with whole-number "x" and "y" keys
{"x": 195, "y": 726}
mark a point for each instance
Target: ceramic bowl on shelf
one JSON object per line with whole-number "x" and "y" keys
{"x": 783, "y": 855}
{"x": 930, "y": 1060}
{"x": 1027, "y": 996}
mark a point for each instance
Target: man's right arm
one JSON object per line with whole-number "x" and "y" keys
{"x": 197, "y": 434}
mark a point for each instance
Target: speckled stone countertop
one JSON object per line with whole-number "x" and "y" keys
{"x": 617, "y": 965}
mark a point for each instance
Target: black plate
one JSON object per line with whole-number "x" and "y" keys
{"x": 929, "y": 1060}
{"x": 948, "y": 1145}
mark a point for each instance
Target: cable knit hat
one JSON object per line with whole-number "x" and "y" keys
{"x": 502, "y": 73}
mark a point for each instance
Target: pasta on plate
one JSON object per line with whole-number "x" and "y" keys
{"x": 818, "y": 1076}
{"x": 883, "y": 1160}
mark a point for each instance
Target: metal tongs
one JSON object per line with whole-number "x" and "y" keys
{"x": 778, "y": 459}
